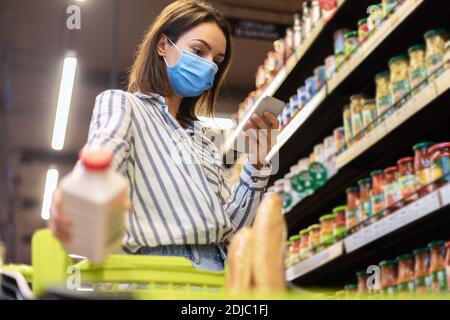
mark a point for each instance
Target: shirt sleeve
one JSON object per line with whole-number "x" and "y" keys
{"x": 245, "y": 197}
{"x": 110, "y": 126}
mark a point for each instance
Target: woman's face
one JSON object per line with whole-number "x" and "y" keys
{"x": 205, "y": 40}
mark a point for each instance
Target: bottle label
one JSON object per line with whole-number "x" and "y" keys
{"x": 365, "y": 210}
{"x": 400, "y": 89}
{"x": 424, "y": 178}
{"x": 369, "y": 117}
{"x": 384, "y": 103}
{"x": 420, "y": 285}
{"x": 392, "y": 193}
{"x": 434, "y": 62}
{"x": 418, "y": 78}
{"x": 378, "y": 204}
{"x": 438, "y": 281}
{"x": 357, "y": 124}
{"x": 287, "y": 200}
{"x": 441, "y": 168}
{"x": 408, "y": 186}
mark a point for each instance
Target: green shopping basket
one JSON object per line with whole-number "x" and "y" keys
{"x": 146, "y": 277}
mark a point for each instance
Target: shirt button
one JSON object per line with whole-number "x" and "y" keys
{"x": 254, "y": 179}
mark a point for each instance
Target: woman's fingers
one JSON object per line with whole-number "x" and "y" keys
{"x": 259, "y": 123}
{"x": 272, "y": 119}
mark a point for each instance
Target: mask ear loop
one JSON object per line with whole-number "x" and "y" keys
{"x": 164, "y": 57}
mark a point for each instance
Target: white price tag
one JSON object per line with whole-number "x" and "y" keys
{"x": 427, "y": 204}
{"x": 445, "y": 195}
{"x": 393, "y": 222}
{"x": 351, "y": 243}
{"x": 367, "y": 234}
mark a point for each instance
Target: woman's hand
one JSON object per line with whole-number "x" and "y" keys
{"x": 59, "y": 223}
{"x": 262, "y": 137}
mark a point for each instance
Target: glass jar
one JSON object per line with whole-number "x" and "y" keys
{"x": 351, "y": 43}
{"x": 375, "y": 17}
{"x": 388, "y": 6}
{"x": 320, "y": 74}
{"x": 447, "y": 262}
{"x": 362, "y": 277}
{"x": 365, "y": 205}
{"x": 330, "y": 66}
{"x": 438, "y": 279}
{"x": 422, "y": 167}
{"x": 326, "y": 227}
{"x": 340, "y": 61}
{"x": 418, "y": 75}
{"x": 363, "y": 30}
{"x": 347, "y": 115}
{"x": 285, "y": 196}
{"x": 383, "y": 95}
{"x": 314, "y": 236}
{"x": 339, "y": 139}
{"x": 377, "y": 194}
{"x": 356, "y": 109}
{"x": 421, "y": 269}
{"x": 405, "y": 273}
{"x": 391, "y": 190}
{"x": 295, "y": 245}
{"x": 435, "y": 40}
{"x": 295, "y": 108}
{"x": 440, "y": 164}
{"x": 304, "y": 243}
{"x": 388, "y": 276}
{"x": 339, "y": 41}
{"x": 369, "y": 111}
{"x": 351, "y": 213}
{"x": 339, "y": 216}
{"x": 407, "y": 180}
{"x": 400, "y": 86}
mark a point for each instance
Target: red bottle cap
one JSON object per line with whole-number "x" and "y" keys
{"x": 96, "y": 160}
{"x": 403, "y": 160}
{"x": 439, "y": 146}
{"x": 390, "y": 169}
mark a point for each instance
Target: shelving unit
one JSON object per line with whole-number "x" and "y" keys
{"x": 425, "y": 117}
{"x": 372, "y": 243}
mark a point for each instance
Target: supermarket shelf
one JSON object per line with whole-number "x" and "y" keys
{"x": 292, "y": 127}
{"x": 425, "y": 117}
{"x": 308, "y": 56}
{"x": 357, "y": 75}
{"x": 412, "y": 107}
{"x": 378, "y": 241}
{"x": 316, "y": 261}
{"x": 389, "y": 26}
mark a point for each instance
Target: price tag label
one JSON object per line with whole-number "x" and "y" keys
{"x": 367, "y": 234}
{"x": 427, "y": 204}
{"x": 445, "y": 195}
{"x": 351, "y": 243}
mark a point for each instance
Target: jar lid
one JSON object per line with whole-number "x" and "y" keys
{"x": 351, "y": 287}
{"x": 328, "y": 241}
{"x": 327, "y": 217}
{"x": 406, "y": 159}
{"x": 390, "y": 169}
{"x": 438, "y": 243}
{"x": 314, "y": 227}
{"x": 398, "y": 58}
{"x": 376, "y": 172}
{"x": 374, "y": 7}
{"x": 382, "y": 74}
{"x": 304, "y": 231}
{"x": 388, "y": 263}
{"x": 434, "y": 32}
{"x": 294, "y": 237}
{"x": 423, "y": 145}
{"x": 439, "y": 146}
{"x": 339, "y": 209}
{"x": 362, "y": 21}
{"x": 352, "y": 189}
{"x": 351, "y": 34}
{"x": 365, "y": 180}
{"x": 447, "y": 245}
{"x": 361, "y": 273}
{"x": 416, "y": 48}
{"x": 407, "y": 256}
{"x": 421, "y": 250}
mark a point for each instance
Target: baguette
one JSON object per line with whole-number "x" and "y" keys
{"x": 269, "y": 234}
{"x": 239, "y": 267}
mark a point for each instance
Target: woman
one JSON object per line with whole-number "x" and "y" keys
{"x": 178, "y": 208}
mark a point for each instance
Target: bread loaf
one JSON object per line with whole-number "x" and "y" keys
{"x": 269, "y": 234}
{"x": 239, "y": 265}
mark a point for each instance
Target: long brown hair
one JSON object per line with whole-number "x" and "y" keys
{"x": 148, "y": 73}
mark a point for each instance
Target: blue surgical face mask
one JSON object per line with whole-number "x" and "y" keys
{"x": 191, "y": 75}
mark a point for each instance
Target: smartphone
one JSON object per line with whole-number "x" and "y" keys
{"x": 271, "y": 105}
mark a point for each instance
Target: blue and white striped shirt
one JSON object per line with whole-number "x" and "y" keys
{"x": 174, "y": 201}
